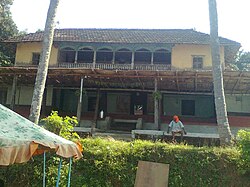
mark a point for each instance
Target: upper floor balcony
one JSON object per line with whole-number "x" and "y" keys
{"x": 154, "y": 59}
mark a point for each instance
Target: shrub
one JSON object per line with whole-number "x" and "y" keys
{"x": 62, "y": 126}
{"x": 114, "y": 163}
{"x": 244, "y": 147}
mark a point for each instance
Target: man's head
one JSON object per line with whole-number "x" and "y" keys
{"x": 175, "y": 118}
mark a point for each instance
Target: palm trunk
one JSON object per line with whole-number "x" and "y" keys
{"x": 219, "y": 96}
{"x": 43, "y": 63}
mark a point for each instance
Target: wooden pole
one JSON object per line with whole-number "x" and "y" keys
{"x": 44, "y": 102}
{"x": 96, "y": 112}
{"x": 79, "y": 106}
{"x": 13, "y": 92}
{"x": 156, "y": 112}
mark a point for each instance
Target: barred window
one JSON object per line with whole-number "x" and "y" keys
{"x": 35, "y": 58}
{"x": 197, "y": 62}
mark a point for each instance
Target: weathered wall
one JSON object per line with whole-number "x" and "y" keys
{"x": 24, "y": 95}
{"x": 182, "y": 55}
{"x": 238, "y": 103}
{"x": 24, "y": 53}
{"x": 204, "y": 105}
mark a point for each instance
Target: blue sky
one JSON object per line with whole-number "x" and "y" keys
{"x": 233, "y": 15}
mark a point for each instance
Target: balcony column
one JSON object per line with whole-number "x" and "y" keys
{"x": 152, "y": 58}
{"x": 76, "y": 55}
{"x": 94, "y": 59}
{"x": 133, "y": 60}
{"x": 113, "y": 59}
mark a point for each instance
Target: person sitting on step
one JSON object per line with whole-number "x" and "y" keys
{"x": 176, "y": 127}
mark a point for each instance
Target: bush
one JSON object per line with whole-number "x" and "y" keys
{"x": 62, "y": 126}
{"x": 244, "y": 147}
{"x": 114, "y": 163}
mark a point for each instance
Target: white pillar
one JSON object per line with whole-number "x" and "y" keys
{"x": 152, "y": 58}
{"x": 76, "y": 55}
{"x": 79, "y": 106}
{"x": 133, "y": 60}
{"x": 94, "y": 59}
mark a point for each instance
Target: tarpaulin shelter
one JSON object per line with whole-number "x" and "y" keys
{"x": 20, "y": 139}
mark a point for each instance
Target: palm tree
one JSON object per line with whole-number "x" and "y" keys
{"x": 43, "y": 63}
{"x": 219, "y": 96}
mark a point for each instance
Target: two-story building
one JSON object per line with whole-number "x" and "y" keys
{"x": 126, "y": 75}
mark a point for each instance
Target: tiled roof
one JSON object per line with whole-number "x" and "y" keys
{"x": 169, "y": 36}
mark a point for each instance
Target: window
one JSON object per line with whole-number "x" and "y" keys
{"x": 142, "y": 56}
{"x": 188, "y": 107}
{"x": 91, "y": 103}
{"x": 3, "y": 96}
{"x": 123, "y": 104}
{"x": 123, "y": 56}
{"x": 104, "y": 56}
{"x": 67, "y": 55}
{"x": 35, "y": 58}
{"x": 162, "y": 56}
{"x": 85, "y": 55}
{"x": 197, "y": 62}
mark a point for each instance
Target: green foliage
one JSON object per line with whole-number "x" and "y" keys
{"x": 114, "y": 163}
{"x": 157, "y": 95}
{"x": 244, "y": 147}
{"x": 108, "y": 163}
{"x": 242, "y": 62}
{"x": 62, "y": 126}
{"x": 7, "y": 29}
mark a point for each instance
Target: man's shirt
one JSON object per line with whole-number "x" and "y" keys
{"x": 175, "y": 127}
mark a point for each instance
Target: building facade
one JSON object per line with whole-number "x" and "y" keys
{"x": 128, "y": 78}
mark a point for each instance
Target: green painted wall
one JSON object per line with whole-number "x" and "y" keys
{"x": 111, "y": 102}
{"x": 238, "y": 103}
{"x": 204, "y": 105}
{"x": 70, "y": 101}
{"x": 24, "y": 95}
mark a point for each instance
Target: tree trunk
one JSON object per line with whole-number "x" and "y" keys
{"x": 43, "y": 63}
{"x": 219, "y": 96}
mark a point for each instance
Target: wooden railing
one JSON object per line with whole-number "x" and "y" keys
{"x": 116, "y": 66}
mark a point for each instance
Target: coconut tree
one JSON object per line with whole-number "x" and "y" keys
{"x": 219, "y": 96}
{"x": 43, "y": 63}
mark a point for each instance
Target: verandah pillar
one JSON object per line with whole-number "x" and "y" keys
{"x": 156, "y": 105}
{"x": 79, "y": 105}
{"x": 13, "y": 92}
{"x": 93, "y": 126}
